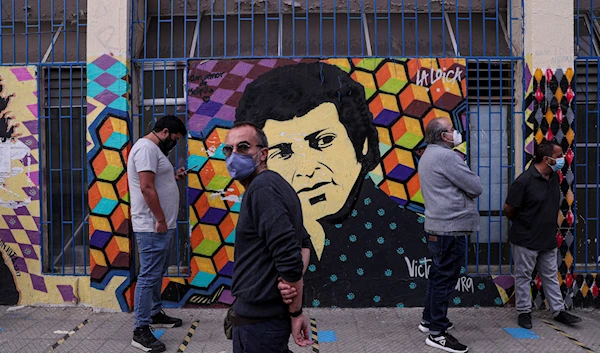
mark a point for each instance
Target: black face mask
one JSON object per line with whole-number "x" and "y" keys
{"x": 166, "y": 145}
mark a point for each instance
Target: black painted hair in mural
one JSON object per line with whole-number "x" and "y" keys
{"x": 289, "y": 91}
{"x": 545, "y": 149}
{"x": 171, "y": 122}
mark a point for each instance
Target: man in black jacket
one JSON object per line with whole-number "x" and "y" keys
{"x": 532, "y": 205}
{"x": 271, "y": 243}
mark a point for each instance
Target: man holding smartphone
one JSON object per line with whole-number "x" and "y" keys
{"x": 154, "y": 207}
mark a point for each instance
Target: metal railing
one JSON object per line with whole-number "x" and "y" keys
{"x": 586, "y": 239}
{"x": 51, "y": 35}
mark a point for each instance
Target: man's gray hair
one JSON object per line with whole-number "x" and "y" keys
{"x": 262, "y": 138}
{"x": 260, "y": 134}
{"x": 434, "y": 130}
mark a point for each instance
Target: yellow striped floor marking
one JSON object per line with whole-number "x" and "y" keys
{"x": 315, "y": 335}
{"x": 188, "y": 337}
{"x": 573, "y": 339}
{"x": 65, "y": 337}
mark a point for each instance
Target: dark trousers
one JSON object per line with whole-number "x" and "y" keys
{"x": 447, "y": 255}
{"x": 270, "y": 336}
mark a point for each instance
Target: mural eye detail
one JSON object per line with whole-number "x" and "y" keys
{"x": 282, "y": 151}
{"x": 325, "y": 141}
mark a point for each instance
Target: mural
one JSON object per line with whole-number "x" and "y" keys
{"x": 108, "y": 147}
{"x": 550, "y": 114}
{"x": 21, "y": 280}
{"x": 347, "y": 134}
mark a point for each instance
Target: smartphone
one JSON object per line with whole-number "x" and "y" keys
{"x": 189, "y": 170}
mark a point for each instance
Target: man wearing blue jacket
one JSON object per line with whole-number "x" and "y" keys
{"x": 449, "y": 189}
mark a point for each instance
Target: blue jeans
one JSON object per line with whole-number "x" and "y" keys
{"x": 447, "y": 255}
{"x": 270, "y": 336}
{"x": 154, "y": 255}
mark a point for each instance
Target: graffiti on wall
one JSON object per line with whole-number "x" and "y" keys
{"x": 21, "y": 280}
{"x": 550, "y": 114}
{"x": 108, "y": 147}
{"x": 347, "y": 134}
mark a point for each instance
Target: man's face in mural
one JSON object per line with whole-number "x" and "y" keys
{"x": 315, "y": 155}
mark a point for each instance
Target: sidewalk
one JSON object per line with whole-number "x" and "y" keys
{"x": 339, "y": 331}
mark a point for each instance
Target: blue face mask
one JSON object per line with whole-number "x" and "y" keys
{"x": 240, "y": 166}
{"x": 560, "y": 163}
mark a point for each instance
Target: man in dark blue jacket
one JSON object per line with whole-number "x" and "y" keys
{"x": 271, "y": 243}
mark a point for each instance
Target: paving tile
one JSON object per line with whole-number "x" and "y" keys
{"x": 13, "y": 344}
{"x": 370, "y": 330}
{"x": 38, "y": 345}
{"x": 80, "y": 346}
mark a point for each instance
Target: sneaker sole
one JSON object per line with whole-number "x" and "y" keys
{"x": 432, "y": 344}
{"x": 146, "y": 349}
{"x": 426, "y": 329}
{"x": 165, "y": 325}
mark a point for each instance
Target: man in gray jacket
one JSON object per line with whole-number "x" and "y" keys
{"x": 449, "y": 189}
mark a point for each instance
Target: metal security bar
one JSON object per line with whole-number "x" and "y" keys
{"x": 51, "y": 34}
{"x": 491, "y": 111}
{"x": 485, "y": 33}
{"x": 41, "y": 31}
{"x": 586, "y": 255}
{"x": 64, "y": 170}
{"x": 162, "y": 92}
{"x": 317, "y": 28}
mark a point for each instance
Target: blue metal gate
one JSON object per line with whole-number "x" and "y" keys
{"x": 586, "y": 257}
{"x": 50, "y": 35}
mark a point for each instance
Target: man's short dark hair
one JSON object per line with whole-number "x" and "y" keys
{"x": 172, "y": 123}
{"x": 291, "y": 91}
{"x": 545, "y": 149}
{"x": 260, "y": 135}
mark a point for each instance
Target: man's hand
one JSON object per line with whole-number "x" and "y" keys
{"x": 287, "y": 292}
{"x": 301, "y": 331}
{"x": 161, "y": 226}
{"x": 180, "y": 174}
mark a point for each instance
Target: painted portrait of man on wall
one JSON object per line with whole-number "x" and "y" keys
{"x": 347, "y": 134}
{"x": 323, "y": 142}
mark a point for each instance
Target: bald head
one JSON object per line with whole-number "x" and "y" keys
{"x": 435, "y": 128}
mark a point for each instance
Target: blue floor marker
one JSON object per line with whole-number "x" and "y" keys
{"x": 522, "y": 333}
{"x": 327, "y": 336}
{"x": 157, "y": 333}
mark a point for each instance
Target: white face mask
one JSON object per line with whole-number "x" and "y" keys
{"x": 456, "y": 137}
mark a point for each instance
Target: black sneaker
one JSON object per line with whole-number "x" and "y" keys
{"x": 162, "y": 320}
{"x": 567, "y": 318}
{"x": 446, "y": 342}
{"x": 144, "y": 339}
{"x": 525, "y": 320}
{"x": 424, "y": 327}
